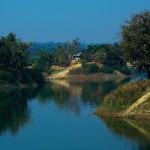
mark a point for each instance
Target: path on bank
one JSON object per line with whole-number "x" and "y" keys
{"x": 64, "y": 72}
{"x": 137, "y": 103}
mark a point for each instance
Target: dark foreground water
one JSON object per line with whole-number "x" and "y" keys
{"x": 58, "y": 116}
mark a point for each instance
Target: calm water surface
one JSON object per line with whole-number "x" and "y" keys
{"x": 57, "y": 116}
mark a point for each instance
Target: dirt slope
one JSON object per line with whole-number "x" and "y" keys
{"x": 138, "y": 103}
{"x": 62, "y": 74}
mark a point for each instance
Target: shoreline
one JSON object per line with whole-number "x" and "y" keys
{"x": 11, "y": 87}
{"x": 89, "y": 77}
{"x": 131, "y": 100}
{"x": 133, "y": 116}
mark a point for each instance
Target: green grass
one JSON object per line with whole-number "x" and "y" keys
{"x": 124, "y": 96}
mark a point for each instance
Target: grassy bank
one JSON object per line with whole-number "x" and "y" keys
{"x": 87, "y": 71}
{"x": 130, "y": 100}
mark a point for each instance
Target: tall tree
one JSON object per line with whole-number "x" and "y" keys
{"x": 72, "y": 48}
{"x": 60, "y": 57}
{"x": 13, "y": 53}
{"x": 43, "y": 61}
{"x": 109, "y": 54}
{"x": 136, "y": 41}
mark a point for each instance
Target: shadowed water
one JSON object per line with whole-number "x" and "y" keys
{"x": 59, "y": 116}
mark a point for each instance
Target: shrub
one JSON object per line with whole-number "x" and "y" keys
{"x": 76, "y": 71}
{"x": 86, "y": 69}
{"x": 29, "y": 76}
{"x": 36, "y": 76}
{"x": 6, "y": 76}
{"x": 83, "y": 63}
{"x": 48, "y": 71}
{"x": 123, "y": 69}
{"x": 106, "y": 69}
{"x": 91, "y": 68}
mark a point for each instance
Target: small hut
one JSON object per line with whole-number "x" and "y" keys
{"x": 77, "y": 57}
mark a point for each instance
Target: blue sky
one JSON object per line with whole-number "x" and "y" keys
{"x": 96, "y": 21}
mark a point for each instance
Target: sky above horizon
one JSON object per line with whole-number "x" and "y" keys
{"x": 92, "y": 21}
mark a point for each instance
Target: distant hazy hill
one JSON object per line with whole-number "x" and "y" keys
{"x": 50, "y": 46}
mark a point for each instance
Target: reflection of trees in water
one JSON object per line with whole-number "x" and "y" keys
{"x": 94, "y": 93}
{"x": 14, "y": 111}
{"x": 44, "y": 93}
{"x": 66, "y": 98}
{"x": 136, "y": 131}
{"x": 70, "y": 96}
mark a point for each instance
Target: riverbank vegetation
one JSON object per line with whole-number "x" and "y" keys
{"x": 14, "y": 70}
{"x": 118, "y": 102}
{"x": 135, "y": 41}
{"x": 102, "y": 59}
{"x": 93, "y": 68}
{"x": 132, "y": 99}
{"x": 75, "y": 60}
{"x": 19, "y": 67}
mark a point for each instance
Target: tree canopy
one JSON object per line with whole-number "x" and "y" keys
{"x": 43, "y": 61}
{"x": 13, "y": 53}
{"x": 14, "y": 62}
{"x": 135, "y": 41}
{"x": 109, "y": 54}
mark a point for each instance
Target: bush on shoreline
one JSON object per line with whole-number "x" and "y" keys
{"x": 106, "y": 69}
{"x": 6, "y": 76}
{"x": 91, "y": 68}
{"x": 28, "y": 77}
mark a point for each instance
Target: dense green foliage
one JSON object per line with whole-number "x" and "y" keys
{"x": 123, "y": 69}
{"x": 60, "y": 57}
{"x": 85, "y": 69}
{"x": 136, "y": 41}
{"x": 106, "y": 69}
{"x": 109, "y": 54}
{"x": 13, "y": 62}
{"x": 18, "y": 66}
{"x": 6, "y": 76}
{"x": 43, "y": 61}
{"x": 13, "y": 53}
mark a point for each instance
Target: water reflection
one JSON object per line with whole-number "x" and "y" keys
{"x": 67, "y": 97}
{"x": 71, "y": 96}
{"x": 14, "y": 111}
{"x": 135, "y": 131}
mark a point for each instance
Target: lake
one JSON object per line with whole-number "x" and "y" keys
{"x": 58, "y": 116}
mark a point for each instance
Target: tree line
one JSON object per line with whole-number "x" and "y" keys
{"x": 134, "y": 47}
{"x": 14, "y": 67}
